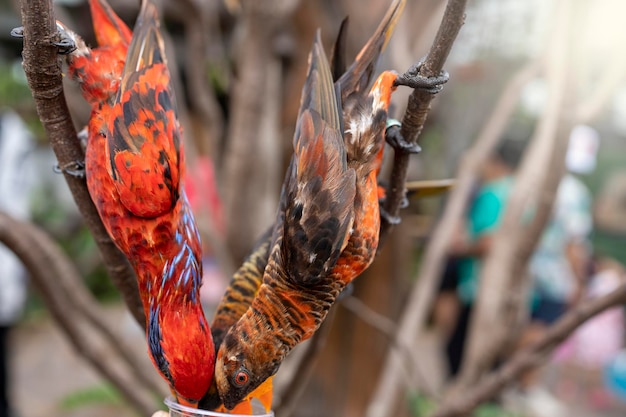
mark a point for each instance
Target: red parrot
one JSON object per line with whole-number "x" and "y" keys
{"x": 134, "y": 167}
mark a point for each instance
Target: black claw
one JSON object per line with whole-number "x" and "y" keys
{"x": 65, "y": 42}
{"x": 66, "y": 45}
{"x": 75, "y": 169}
{"x": 412, "y": 78}
{"x": 395, "y": 139}
{"x": 18, "y": 32}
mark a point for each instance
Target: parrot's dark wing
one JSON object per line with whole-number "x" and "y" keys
{"x": 359, "y": 75}
{"x": 338, "y": 63}
{"x": 320, "y": 196}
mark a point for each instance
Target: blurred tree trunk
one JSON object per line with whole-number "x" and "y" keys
{"x": 252, "y": 168}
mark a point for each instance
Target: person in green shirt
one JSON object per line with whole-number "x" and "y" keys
{"x": 472, "y": 243}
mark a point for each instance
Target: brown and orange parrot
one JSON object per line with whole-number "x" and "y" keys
{"x": 314, "y": 222}
{"x": 288, "y": 309}
{"x": 134, "y": 167}
{"x": 352, "y": 83}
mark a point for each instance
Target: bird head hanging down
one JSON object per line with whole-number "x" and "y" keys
{"x": 300, "y": 294}
{"x": 134, "y": 167}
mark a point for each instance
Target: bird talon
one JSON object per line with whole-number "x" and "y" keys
{"x": 66, "y": 44}
{"x": 75, "y": 169}
{"x": 18, "y": 32}
{"x": 412, "y": 78}
{"x": 395, "y": 139}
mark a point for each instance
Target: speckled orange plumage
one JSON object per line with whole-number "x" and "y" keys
{"x": 302, "y": 280}
{"x": 134, "y": 167}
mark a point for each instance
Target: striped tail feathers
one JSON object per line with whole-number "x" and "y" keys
{"x": 320, "y": 199}
{"x": 147, "y": 48}
{"x": 144, "y": 140}
{"x": 242, "y": 289}
{"x": 109, "y": 29}
{"x": 359, "y": 75}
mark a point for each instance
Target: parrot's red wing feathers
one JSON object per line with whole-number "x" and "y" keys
{"x": 110, "y": 30}
{"x": 144, "y": 140}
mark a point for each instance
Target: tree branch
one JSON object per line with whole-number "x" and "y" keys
{"x": 386, "y": 326}
{"x": 413, "y": 121}
{"x": 531, "y": 356}
{"x": 201, "y": 94}
{"x": 418, "y": 305}
{"x": 77, "y": 313}
{"x": 419, "y": 102}
{"x": 43, "y": 73}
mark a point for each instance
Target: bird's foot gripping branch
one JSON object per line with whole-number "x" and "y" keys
{"x": 64, "y": 43}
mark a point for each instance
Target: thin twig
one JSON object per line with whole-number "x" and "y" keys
{"x": 58, "y": 281}
{"x": 420, "y": 300}
{"x": 419, "y": 102}
{"x": 414, "y": 118}
{"x": 43, "y": 73}
{"x": 386, "y": 326}
{"x": 496, "y": 381}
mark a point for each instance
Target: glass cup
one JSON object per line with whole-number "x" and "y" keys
{"x": 177, "y": 410}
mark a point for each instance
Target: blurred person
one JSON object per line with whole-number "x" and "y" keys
{"x": 15, "y": 147}
{"x": 460, "y": 284}
{"x": 560, "y": 263}
{"x": 592, "y": 346}
{"x": 559, "y": 267}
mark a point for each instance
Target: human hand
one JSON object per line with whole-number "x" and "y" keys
{"x": 160, "y": 414}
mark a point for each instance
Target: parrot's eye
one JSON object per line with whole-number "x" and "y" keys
{"x": 241, "y": 378}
